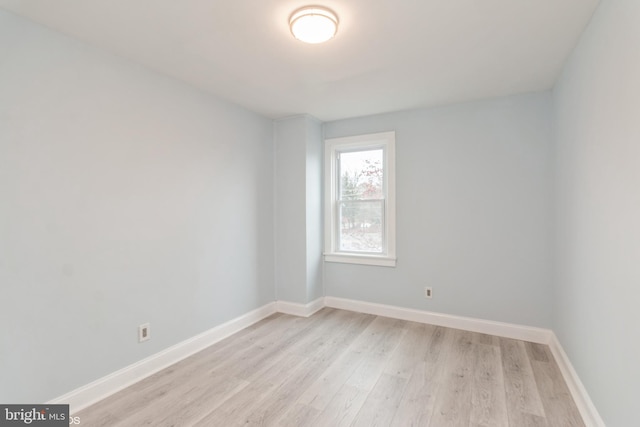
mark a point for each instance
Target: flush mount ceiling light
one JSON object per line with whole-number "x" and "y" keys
{"x": 313, "y": 24}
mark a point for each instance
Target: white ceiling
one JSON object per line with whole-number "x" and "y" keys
{"x": 388, "y": 55}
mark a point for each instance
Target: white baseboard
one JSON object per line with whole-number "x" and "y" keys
{"x": 297, "y": 309}
{"x": 95, "y": 391}
{"x": 587, "y": 409}
{"x": 507, "y": 330}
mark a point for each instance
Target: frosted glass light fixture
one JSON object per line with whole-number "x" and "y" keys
{"x": 313, "y": 24}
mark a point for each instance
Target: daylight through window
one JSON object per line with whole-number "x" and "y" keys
{"x": 360, "y": 199}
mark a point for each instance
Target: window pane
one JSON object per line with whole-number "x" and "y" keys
{"x": 361, "y": 175}
{"x": 361, "y": 225}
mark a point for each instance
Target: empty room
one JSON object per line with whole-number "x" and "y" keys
{"x": 327, "y": 213}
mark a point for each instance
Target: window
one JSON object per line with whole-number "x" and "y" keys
{"x": 360, "y": 199}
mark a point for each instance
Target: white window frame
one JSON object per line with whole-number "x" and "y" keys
{"x": 333, "y": 146}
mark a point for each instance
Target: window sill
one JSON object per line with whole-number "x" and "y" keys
{"x": 381, "y": 261}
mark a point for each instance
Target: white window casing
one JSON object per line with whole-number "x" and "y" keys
{"x": 385, "y": 255}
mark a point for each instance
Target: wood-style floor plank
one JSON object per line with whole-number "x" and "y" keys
{"x": 488, "y": 402}
{"x": 453, "y": 403}
{"x": 380, "y": 346}
{"x": 382, "y": 402}
{"x": 299, "y": 415}
{"x": 340, "y": 368}
{"x": 418, "y": 402}
{"x": 538, "y": 352}
{"x": 413, "y": 347}
{"x": 240, "y": 406}
{"x": 520, "y": 385}
{"x": 559, "y": 407}
{"x": 321, "y": 392}
{"x": 343, "y": 408}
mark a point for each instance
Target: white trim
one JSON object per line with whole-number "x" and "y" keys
{"x": 381, "y": 261}
{"x": 507, "y": 330}
{"x": 587, "y": 409}
{"x": 297, "y": 309}
{"x": 95, "y": 391}
{"x": 387, "y": 141}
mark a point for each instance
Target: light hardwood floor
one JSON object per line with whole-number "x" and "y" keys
{"x": 339, "y": 368}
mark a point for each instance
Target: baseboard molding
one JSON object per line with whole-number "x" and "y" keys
{"x": 507, "y": 330}
{"x": 91, "y": 393}
{"x": 297, "y": 309}
{"x": 587, "y": 409}
{"x": 95, "y": 391}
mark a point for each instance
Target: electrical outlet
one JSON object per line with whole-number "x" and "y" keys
{"x": 144, "y": 332}
{"x": 428, "y": 292}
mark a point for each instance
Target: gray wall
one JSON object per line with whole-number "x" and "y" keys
{"x": 125, "y": 197}
{"x": 290, "y": 225}
{"x": 298, "y": 181}
{"x": 314, "y": 225}
{"x": 474, "y": 211}
{"x": 598, "y": 196}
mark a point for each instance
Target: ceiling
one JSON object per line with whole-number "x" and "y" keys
{"x": 388, "y": 55}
